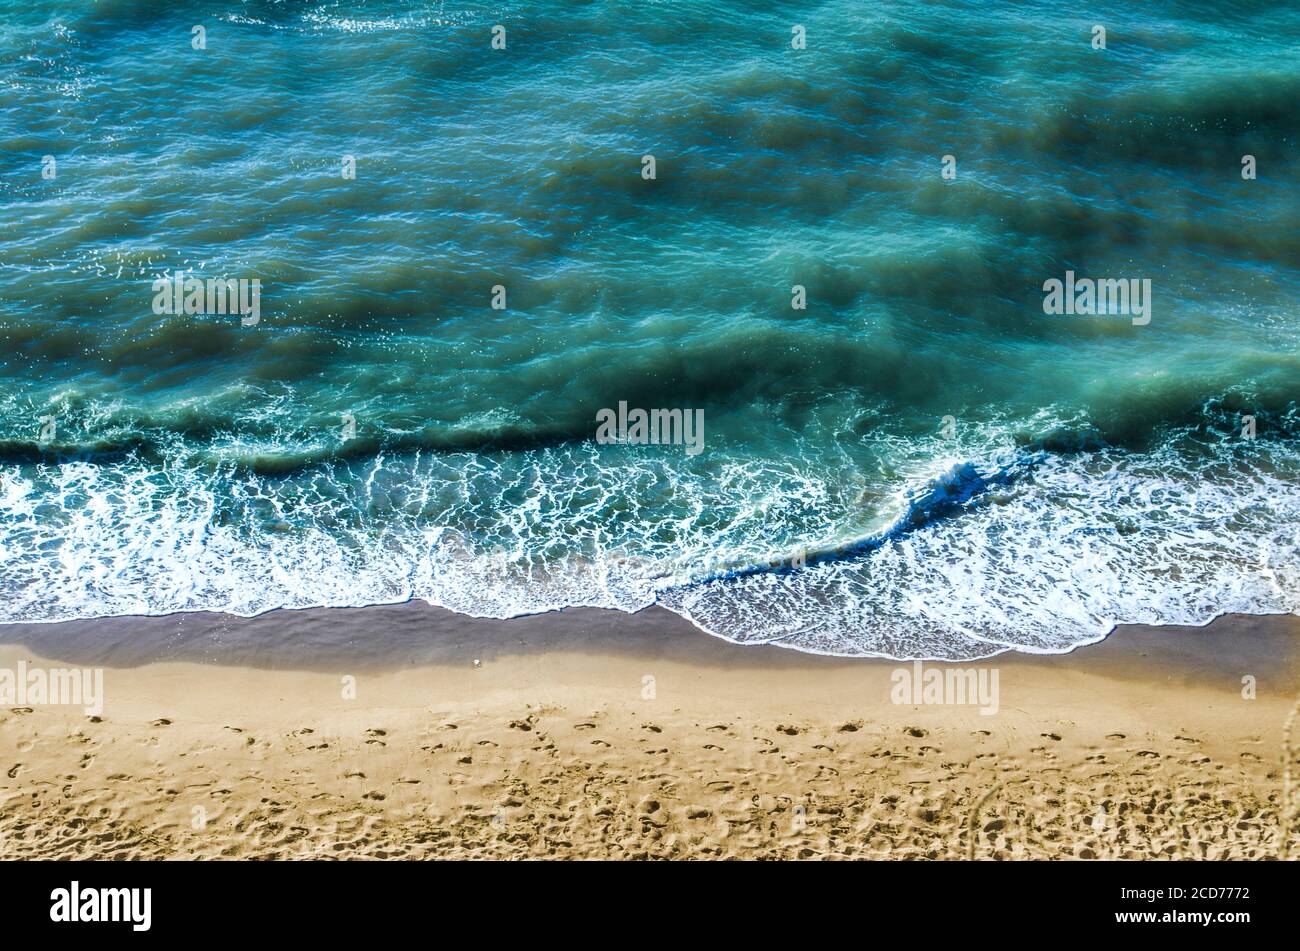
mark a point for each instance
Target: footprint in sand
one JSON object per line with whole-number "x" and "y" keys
{"x": 161, "y": 721}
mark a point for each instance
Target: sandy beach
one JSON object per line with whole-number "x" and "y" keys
{"x": 411, "y": 732}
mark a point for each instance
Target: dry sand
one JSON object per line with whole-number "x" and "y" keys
{"x": 242, "y": 743}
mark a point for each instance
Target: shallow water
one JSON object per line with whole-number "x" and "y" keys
{"x": 921, "y": 463}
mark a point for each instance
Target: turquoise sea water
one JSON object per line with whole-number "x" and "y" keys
{"x": 921, "y": 463}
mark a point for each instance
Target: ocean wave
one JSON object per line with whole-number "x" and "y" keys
{"x": 1027, "y": 548}
{"x": 246, "y": 428}
{"x": 1078, "y": 547}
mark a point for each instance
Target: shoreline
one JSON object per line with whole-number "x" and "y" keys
{"x": 416, "y": 632}
{"x": 231, "y": 741}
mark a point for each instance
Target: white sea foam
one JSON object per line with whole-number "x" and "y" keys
{"x": 1052, "y": 563}
{"x": 1040, "y": 553}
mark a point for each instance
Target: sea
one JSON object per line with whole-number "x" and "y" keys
{"x": 988, "y": 312}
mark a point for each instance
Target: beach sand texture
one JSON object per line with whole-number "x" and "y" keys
{"x": 1140, "y": 747}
